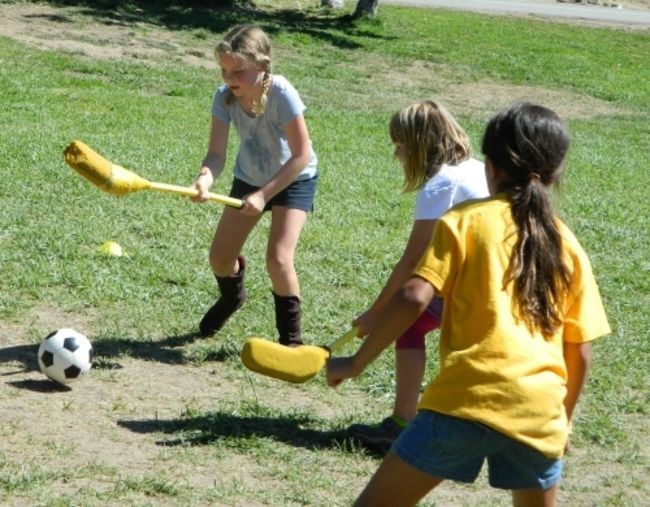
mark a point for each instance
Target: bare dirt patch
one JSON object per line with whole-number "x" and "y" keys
{"x": 66, "y": 29}
{"x": 125, "y": 419}
{"x": 482, "y": 99}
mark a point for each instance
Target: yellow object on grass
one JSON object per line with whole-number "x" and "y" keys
{"x": 111, "y": 248}
{"x": 291, "y": 364}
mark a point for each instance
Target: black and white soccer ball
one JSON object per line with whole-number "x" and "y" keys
{"x": 65, "y": 355}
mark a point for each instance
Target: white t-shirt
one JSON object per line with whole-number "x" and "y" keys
{"x": 451, "y": 185}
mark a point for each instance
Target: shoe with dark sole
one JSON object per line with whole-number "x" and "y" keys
{"x": 376, "y": 437}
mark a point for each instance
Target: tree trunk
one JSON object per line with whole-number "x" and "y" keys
{"x": 367, "y": 8}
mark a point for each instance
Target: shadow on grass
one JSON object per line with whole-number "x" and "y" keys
{"x": 343, "y": 31}
{"x": 41, "y": 386}
{"x": 105, "y": 351}
{"x": 23, "y": 354}
{"x": 167, "y": 350}
{"x": 216, "y": 426}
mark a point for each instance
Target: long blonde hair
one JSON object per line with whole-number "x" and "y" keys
{"x": 431, "y": 138}
{"x": 250, "y": 42}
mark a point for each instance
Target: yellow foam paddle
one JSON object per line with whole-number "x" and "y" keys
{"x": 293, "y": 364}
{"x": 114, "y": 179}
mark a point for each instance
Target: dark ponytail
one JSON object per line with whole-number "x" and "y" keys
{"x": 528, "y": 143}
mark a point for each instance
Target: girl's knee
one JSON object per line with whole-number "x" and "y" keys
{"x": 221, "y": 264}
{"x": 279, "y": 264}
{"x": 410, "y": 340}
{"x": 414, "y": 336}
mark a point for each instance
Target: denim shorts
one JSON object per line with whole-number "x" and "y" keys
{"x": 455, "y": 449}
{"x": 299, "y": 195}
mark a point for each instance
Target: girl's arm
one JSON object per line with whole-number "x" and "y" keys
{"x": 577, "y": 357}
{"x": 214, "y": 161}
{"x": 396, "y": 317}
{"x": 300, "y": 146}
{"x": 418, "y": 241}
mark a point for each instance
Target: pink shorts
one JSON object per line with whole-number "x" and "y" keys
{"x": 428, "y": 320}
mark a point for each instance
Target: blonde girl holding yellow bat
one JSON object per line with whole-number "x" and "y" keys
{"x": 275, "y": 170}
{"x": 436, "y": 157}
{"x": 521, "y": 309}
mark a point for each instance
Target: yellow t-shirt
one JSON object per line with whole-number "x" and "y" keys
{"x": 492, "y": 368}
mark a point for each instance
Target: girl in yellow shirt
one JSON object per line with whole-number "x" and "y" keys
{"x": 521, "y": 308}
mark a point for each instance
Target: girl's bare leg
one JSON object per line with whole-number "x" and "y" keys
{"x": 229, "y": 238}
{"x": 409, "y": 372}
{"x": 228, "y": 241}
{"x": 534, "y": 497}
{"x": 286, "y": 226}
{"x": 396, "y": 483}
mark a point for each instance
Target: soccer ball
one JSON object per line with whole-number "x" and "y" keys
{"x": 64, "y": 355}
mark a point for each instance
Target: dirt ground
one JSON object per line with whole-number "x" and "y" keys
{"x": 102, "y": 401}
{"x": 46, "y": 27}
{"x": 57, "y": 29}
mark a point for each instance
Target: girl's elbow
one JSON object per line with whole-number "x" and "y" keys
{"x": 297, "y": 162}
{"x": 303, "y": 159}
{"x": 585, "y": 353}
{"x": 417, "y": 292}
{"x": 578, "y": 352}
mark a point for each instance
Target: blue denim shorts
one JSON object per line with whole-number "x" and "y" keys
{"x": 299, "y": 195}
{"x": 455, "y": 449}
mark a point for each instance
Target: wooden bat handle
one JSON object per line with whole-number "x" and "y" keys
{"x": 192, "y": 192}
{"x": 337, "y": 344}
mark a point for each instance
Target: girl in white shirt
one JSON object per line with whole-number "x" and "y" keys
{"x": 435, "y": 154}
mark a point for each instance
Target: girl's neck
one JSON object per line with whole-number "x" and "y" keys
{"x": 250, "y": 103}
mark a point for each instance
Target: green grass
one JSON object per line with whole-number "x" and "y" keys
{"x": 154, "y": 118}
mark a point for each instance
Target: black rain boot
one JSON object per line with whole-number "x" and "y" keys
{"x": 287, "y": 319}
{"x": 233, "y": 295}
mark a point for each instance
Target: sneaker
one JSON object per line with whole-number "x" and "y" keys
{"x": 377, "y": 437}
